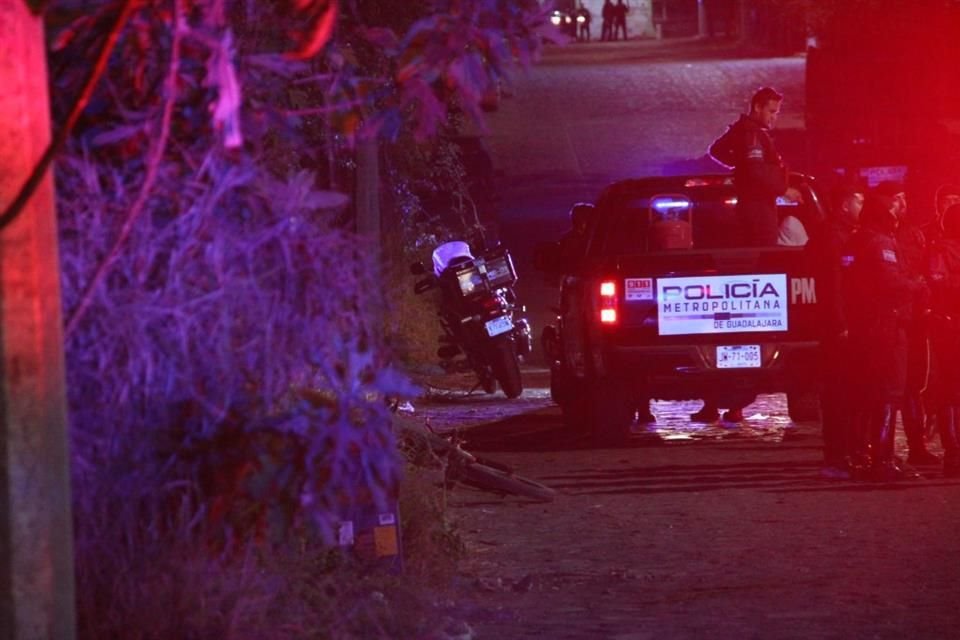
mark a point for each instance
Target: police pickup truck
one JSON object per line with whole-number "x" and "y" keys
{"x": 662, "y": 303}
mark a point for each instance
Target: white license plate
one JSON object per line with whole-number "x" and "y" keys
{"x": 499, "y": 325}
{"x": 738, "y": 356}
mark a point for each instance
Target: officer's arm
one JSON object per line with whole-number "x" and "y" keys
{"x": 724, "y": 149}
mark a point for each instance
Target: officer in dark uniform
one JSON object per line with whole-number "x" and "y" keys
{"x": 883, "y": 299}
{"x": 912, "y": 243}
{"x": 758, "y": 171}
{"x": 944, "y": 277}
{"x": 831, "y": 251}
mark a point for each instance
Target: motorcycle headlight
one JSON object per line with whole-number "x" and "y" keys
{"x": 555, "y": 19}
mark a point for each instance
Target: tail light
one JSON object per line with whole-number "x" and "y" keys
{"x": 608, "y": 302}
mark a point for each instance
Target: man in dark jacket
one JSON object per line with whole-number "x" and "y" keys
{"x": 758, "y": 171}
{"x": 912, "y": 242}
{"x": 883, "y": 299}
{"x": 831, "y": 249}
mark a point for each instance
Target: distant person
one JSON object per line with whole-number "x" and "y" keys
{"x": 606, "y": 24}
{"x": 583, "y": 20}
{"x": 758, "y": 171}
{"x": 620, "y": 19}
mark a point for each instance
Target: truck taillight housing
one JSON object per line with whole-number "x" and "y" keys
{"x": 608, "y": 302}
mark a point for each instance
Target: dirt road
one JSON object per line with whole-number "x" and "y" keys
{"x": 697, "y": 532}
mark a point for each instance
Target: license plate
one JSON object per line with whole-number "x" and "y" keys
{"x": 499, "y": 325}
{"x": 738, "y": 356}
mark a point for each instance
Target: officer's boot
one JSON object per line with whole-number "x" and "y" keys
{"x": 883, "y": 430}
{"x": 950, "y": 436}
{"x": 913, "y": 427}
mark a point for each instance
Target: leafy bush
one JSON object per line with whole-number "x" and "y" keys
{"x": 226, "y": 367}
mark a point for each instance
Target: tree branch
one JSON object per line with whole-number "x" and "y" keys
{"x": 152, "y": 166}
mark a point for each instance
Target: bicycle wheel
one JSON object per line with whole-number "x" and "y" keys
{"x": 487, "y": 478}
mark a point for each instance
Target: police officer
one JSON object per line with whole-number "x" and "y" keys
{"x": 944, "y": 276}
{"x": 883, "y": 299}
{"x": 758, "y": 171}
{"x": 912, "y": 242}
{"x": 831, "y": 251}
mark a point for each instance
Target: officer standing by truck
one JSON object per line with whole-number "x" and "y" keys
{"x": 883, "y": 299}
{"x": 758, "y": 171}
{"x": 831, "y": 247}
{"x": 912, "y": 244}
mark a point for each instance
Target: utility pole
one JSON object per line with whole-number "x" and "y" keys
{"x": 36, "y": 539}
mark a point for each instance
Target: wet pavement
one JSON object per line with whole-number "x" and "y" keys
{"x": 451, "y": 402}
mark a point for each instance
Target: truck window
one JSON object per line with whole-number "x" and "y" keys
{"x": 656, "y": 223}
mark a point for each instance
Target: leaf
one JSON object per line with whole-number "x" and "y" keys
{"x": 117, "y": 134}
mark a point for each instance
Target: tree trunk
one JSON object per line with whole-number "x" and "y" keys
{"x": 36, "y": 550}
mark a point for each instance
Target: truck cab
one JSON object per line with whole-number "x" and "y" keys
{"x": 665, "y": 304}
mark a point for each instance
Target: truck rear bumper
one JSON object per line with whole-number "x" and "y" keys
{"x": 690, "y": 371}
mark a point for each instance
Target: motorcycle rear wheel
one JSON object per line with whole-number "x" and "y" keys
{"x": 506, "y": 368}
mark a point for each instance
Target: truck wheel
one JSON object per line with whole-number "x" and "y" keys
{"x": 803, "y": 406}
{"x": 610, "y": 411}
{"x": 506, "y": 368}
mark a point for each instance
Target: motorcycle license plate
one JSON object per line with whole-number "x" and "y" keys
{"x": 499, "y": 325}
{"x": 738, "y": 356}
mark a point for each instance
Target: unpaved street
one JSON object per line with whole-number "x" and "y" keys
{"x": 696, "y": 532}
{"x": 720, "y": 531}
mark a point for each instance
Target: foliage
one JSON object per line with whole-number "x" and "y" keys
{"x": 226, "y": 366}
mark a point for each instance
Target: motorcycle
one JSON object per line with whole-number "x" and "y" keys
{"x": 479, "y": 314}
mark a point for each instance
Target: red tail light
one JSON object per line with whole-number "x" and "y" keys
{"x": 608, "y": 302}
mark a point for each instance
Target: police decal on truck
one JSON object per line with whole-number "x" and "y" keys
{"x": 722, "y": 304}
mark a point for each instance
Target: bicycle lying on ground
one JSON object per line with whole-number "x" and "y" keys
{"x": 426, "y": 448}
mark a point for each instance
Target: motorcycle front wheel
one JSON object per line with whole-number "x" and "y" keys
{"x": 506, "y": 368}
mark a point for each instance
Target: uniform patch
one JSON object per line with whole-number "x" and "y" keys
{"x": 889, "y": 255}
{"x": 638, "y": 288}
